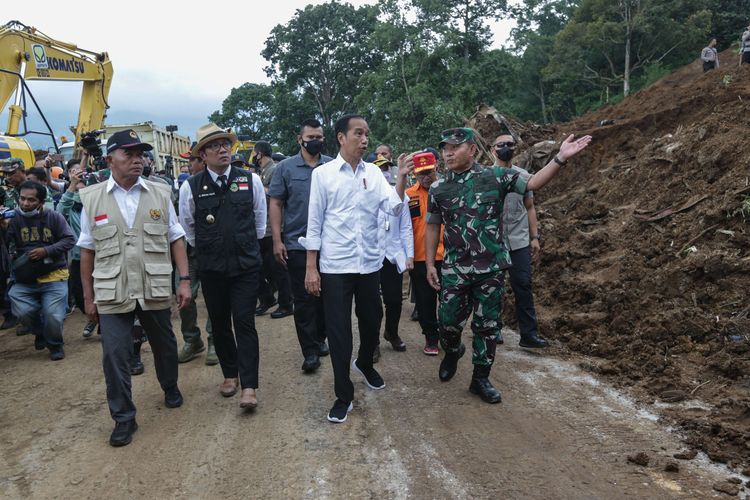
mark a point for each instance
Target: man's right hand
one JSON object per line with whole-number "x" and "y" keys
{"x": 312, "y": 282}
{"x": 91, "y": 311}
{"x": 432, "y": 278}
{"x": 279, "y": 252}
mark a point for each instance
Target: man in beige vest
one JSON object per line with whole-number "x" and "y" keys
{"x": 129, "y": 235}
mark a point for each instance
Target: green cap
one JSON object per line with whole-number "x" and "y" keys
{"x": 11, "y": 164}
{"x": 456, "y": 136}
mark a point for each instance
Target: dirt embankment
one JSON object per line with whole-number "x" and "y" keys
{"x": 646, "y": 261}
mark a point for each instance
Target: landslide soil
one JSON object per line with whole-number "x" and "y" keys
{"x": 661, "y": 305}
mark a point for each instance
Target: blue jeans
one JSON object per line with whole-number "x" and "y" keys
{"x": 41, "y": 308}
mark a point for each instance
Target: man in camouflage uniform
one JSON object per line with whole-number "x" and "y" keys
{"x": 469, "y": 202}
{"x": 15, "y": 174}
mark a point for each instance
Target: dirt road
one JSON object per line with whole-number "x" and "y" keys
{"x": 558, "y": 433}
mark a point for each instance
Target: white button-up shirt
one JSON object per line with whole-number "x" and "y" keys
{"x": 187, "y": 205}
{"x": 397, "y": 237}
{"x": 344, "y": 214}
{"x": 127, "y": 200}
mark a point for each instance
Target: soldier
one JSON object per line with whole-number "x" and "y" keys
{"x": 469, "y": 202}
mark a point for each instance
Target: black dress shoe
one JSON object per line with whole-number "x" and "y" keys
{"x": 282, "y": 313}
{"x": 136, "y": 366}
{"x": 323, "y": 349}
{"x": 172, "y": 397}
{"x": 533, "y": 342}
{"x": 311, "y": 363}
{"x": 449, "y": 364}
{"x": 123, "y": 433}
{"x": 485, "y": 390}
{"x": 263, "y": 307}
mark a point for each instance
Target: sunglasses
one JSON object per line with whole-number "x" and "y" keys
{"x": 509, "y": 144}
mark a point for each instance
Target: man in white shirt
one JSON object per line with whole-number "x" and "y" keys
{"x": 223, "y": 211}
{"x": 129, "y": 235}
{"x": 346, "y": 197}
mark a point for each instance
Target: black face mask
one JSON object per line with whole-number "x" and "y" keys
{"x": 256, "y": 161}
{"x": 146, "y": 171}
{"x": 504, "y": 153}
{"x": 313, "y": 147}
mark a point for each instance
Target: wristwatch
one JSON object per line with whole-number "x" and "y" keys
{"x": 559, "y": 161}
{"x": 184, "y": 278}
{"x": 535, "y": 237}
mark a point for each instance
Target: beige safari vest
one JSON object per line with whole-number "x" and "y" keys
{"x": 131, "y": 265}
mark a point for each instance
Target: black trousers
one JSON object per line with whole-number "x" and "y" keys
{"x": 117, "y": 350}
{"x": 337, "y": 291}
{"x": 76, "y": 288}
{"x": 746, "y": 58}
{"x": 426, "y": 299}
{"x": 273, "y": 277}
{"x": 231, "y": 301}
{"x": 309, "y": 318}
{"x": 708, "y": 66}
{"x": 392, "y": 289}
{"x": 520, "y": 282}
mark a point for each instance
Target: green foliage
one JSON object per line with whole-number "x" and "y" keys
{"x": 416, "y": 67}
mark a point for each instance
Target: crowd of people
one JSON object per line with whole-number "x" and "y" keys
{"x": 312, "y": 234}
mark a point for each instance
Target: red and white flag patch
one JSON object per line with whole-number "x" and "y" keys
{"x": 100, "y": 220}
{"x": 243, "y": 186}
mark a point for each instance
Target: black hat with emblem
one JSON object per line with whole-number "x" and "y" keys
{"x": 126, "y": 139}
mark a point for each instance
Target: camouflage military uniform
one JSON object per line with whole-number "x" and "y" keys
{"x": 470, "y": 205}
{"x": 11, "y": 197}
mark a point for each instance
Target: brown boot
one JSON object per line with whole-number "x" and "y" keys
{"x": 248, "y": 399}
{"x": 228, "y": 388}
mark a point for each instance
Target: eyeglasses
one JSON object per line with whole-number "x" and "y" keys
{"x": 509, "y": 144}
{"x": 218, "y": 145}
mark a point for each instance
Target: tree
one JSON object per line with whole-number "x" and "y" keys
{"x": 248, "y": 110}
{"x": 321, "y": 54}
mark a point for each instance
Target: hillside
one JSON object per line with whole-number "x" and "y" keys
{"x": 646, "y": 254}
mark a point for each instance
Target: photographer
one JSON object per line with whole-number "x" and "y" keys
{"x": 41, "y": 239}
{"x": 70, "y": 207}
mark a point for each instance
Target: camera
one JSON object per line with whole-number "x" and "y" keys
{"x": 7, "y": 213}
{"x": 90, "y": 142}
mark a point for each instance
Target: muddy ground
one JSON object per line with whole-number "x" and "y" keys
{"x": 559, "y": 432}
{"x": 646, "y": 250}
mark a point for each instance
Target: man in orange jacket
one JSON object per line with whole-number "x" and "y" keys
{"x": 425, "y": 296}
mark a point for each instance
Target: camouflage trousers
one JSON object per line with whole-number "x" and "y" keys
{"x": 459, "y": 296}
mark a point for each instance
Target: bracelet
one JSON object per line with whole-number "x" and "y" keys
{"x": 535, "y": 237}
{"x": 184, "y": 278}
{"x": 559, "y": 161}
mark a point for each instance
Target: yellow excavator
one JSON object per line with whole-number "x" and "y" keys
{"x": 28, "y": 54}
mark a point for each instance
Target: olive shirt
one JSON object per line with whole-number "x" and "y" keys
{"x": 470, "y": 206}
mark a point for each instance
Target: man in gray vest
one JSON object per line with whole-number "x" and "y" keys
{"x": 745, "y": 47}
{"x": 129, "y": 235}
{"x": 223, "y": 211}
{"x": 522, "y": 234}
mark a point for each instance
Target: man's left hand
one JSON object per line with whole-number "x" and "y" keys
{"x": 37, "y": 254}
{"x": 184, "y": 295}
{"x": 536, "y": 252}
{"x": 571, "y": 146}
{"x": 409, "y": 264}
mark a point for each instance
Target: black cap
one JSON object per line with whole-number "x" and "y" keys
{"x": 126, "y": 139}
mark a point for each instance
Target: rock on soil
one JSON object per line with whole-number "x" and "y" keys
{"x": 640, "y": 458}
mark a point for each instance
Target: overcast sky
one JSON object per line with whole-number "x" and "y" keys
{"x": 174, "y": 62}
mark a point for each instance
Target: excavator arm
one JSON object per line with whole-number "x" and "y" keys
{"x": 28, "y": 54}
